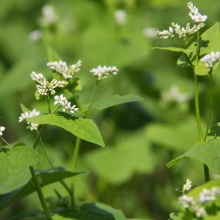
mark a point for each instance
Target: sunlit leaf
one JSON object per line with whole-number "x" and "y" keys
{"x": 207, "y": 153}
{"x": 13, "y": 162}
{"x": 116, "y": 100}
{"x": 85, "y": 129}
{"x": 24, "y": 109}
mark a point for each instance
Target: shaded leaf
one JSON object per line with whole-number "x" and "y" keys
{"x": 44, "y": 179}
{"x": 27, "y": 214}
{"x": 207, "y": 153}
{"x": 24, "y": 109}
{"x": 13, "y": 162}
{"x": 85, "y": 129}
{"x": 215, "y": 130}
{"x": 116, "y": 100}
{"x": 91, "y": 211}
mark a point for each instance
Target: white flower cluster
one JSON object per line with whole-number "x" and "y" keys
{"x": 174, "y": 95}
{"x": 35, "y": 36}
{"x": 62, "y": 101}
{"x": 2, "y": 128}
{"x": 62, "y": 68}
{"x": 103, "y": 72}
{"x": 211, "y": 59}
{"x": 196, "y": 205}
{"x": 197, "y": 19}
{"x": 44, "y": 87}
{"x": 49, "y": 16}
{"x": 29, "y": 114}
{"x": 120, "y": 17}
{"x": 194, "y": 13}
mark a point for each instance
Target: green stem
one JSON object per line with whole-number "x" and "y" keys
{"x": 198, "y": 119}
{"x": 210, "y": 106}
{"x": 40, "y": 194}
{"x": 38, "y": 136}
{"x": 91, "y": 99}
{"x": 75, "y": 159}
{"x": 48, "y": 104}
{"x": 6, "y": 142}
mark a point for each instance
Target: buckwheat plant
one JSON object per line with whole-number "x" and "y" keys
{"x": 201, "y": 53}
{"x": 70, "y": 116}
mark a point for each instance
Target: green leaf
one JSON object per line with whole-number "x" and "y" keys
{"x": 91, "y": 211}
{"x": 24, "y": 109}
{"x": 44, "y": 179}
{"x": 215, "y": 130}
{"x": 207, "y": 153}
{"x": 174, "y": 49}
{"x": 85, "y": 129}
{"x": 52, "y": 55}
{"x": 209, "y": 41}
{"x": 116, "y": 100}
{"x": 13, "y": 162}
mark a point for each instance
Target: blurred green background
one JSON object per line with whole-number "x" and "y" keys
{"x": 141, "y": 137}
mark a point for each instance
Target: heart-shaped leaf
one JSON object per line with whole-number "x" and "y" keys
{"x": 13, "y": 162}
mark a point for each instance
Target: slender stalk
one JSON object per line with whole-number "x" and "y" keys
{"x": 38, "y": 136}
{"x": 198, "y": 119}
{"x": 78, "y": 143}
{"x": 48, "y": 104}
{"x": 6, "y": 142}
{"x": 75, "y": 160}
{"x": 91, "y": 99}
{"x": 210, "y": 105}
{"x": 40, "y": 194}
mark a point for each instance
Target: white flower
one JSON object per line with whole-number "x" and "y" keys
{"x": 187, "y": 186}
{"x": 211, "y": 59}
{"x": 2, "y": 128}
{"x": 174, "y": 95}
{"x": 63, "y": 102}
{"x": 120, "y": 17}
{"x": 29, "y": 114}
{"x": 35, "y": 36}
{"x": 62, "y": 68}
{"x": 150, "y": 32}
{"x": 103, "y": 72}
{"x": 44, "y": 87}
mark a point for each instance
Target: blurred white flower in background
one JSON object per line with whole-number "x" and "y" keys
{"x": 35, "y": 35}
{"x": 120, "y": 17}
{"x": 150, "y": 32}
{"x": 174, "y": 95}
{"x": 49, "y": 16}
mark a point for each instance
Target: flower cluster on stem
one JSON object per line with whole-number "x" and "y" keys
{"x": 63, "y": 102}
{"x": 211, "y": 59}
{"x": 103, "y": 72}
{"x": 61, "y": 67}
{"x": 196, "y": 18}
{"x": 29, "y": 114}
{"x": 197, "y": 205}
{"x": 44, "y": 87}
